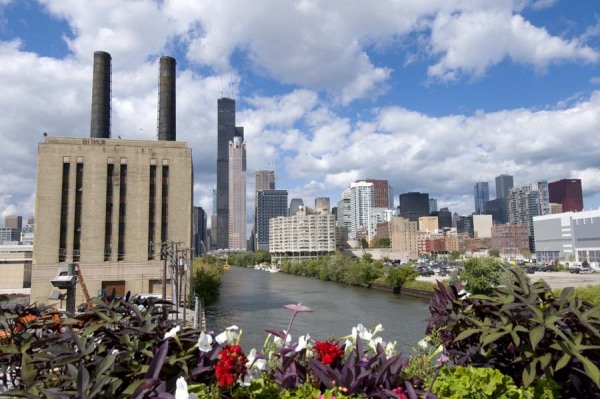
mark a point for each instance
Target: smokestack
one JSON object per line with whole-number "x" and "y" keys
{"x": 100, "y": 126}
{"x": 166, "y": 99}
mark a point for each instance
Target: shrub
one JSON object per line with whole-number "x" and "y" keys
{"x": 524, "y": 331}
{"x": 398, "y": 276}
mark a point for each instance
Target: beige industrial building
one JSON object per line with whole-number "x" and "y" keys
{"x": 15, "y": 267}
{"x": 108, "y": 204}
{"x": 301, "y": 236}
{"x": 403, "y": 234}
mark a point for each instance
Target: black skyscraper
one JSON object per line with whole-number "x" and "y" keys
{"x": 225, "y": 132}
{"x": 414, "y": 205}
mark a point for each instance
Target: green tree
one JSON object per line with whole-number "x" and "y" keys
{"x": 482, "y": 274}
{"x": 494, "y": 253}
{"x": 364, "y": 243}
{"x": 385, "y": 242}
{"x": 454, "y": 255}
{"x": 398, "y": 276}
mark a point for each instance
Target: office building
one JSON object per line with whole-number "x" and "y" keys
{"x": 413, "y": 205}
{"x": 237, "y": 194}
{"x": 263, "y": 180}
{"x": 295, "y": 205}
{"x": 269, "y": 204}
{"x": 404, "y": 238}
{"x": 382, "y": 193}
{"x": 362, "y": 197}
{"x": 556, "y": 208}
{"x": 109, "y": 204}
{"x": 322, "y": 205}
{"x": 481, "y": 194}
{"x": 301, "y": 237}
{"x": 510, "y": 240}
{"x": 464, "y": 226}
{"x": 377, "y": 216}
{"x": 199, "y": 232}
{"x": 523, "y": 205}
{"x": 343, "y": 216}
{"x": 543, "y": 197}
{"x": 15, "y": 266}
{"x": 428, "y": 223}
{"x": 13, "y": 222}
{"x": 9, "y": 235}
{"x": 444, "y": 218}
{"x": 226, "y": 131}
{"x": 497, "y": 208}
{"x": 568, "y": 193}
{"x": 433, "y": 206}
{"x": 213, "y": 221}
{"x": 503, "y": 185}
{"x": 482, "y": 226}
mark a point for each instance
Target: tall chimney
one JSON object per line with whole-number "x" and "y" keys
{"x": 166, "y": 99}
{"x": 100, "y": 126}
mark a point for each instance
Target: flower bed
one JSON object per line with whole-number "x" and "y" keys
{"x": 520, "y": 342}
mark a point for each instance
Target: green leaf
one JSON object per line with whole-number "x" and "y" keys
{"x": 529, "y": 373}
{"x": 535, "y": 335}
{"x": 106, "y": 363}
{"x": 590, "y": 369}
{"x": 545, "y": 360}
{"x": 467, "y": 333}
{"x": 491, "y": 337}
{"x": 562, "y": 362}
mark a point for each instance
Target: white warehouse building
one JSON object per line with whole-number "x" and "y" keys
{"x": 568, "y": 237}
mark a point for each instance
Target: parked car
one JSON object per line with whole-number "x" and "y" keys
{"x": 574, "y": 270}
{"x": 529, "y": 270}
{"x": 426, "y": 272}
{"x": 585, "y": 270}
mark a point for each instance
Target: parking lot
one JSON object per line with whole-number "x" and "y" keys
{"x": 554, "y": 279}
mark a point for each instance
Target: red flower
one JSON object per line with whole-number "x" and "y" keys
{"x": 231, "y": 365}
{"x": 328, "y": 352}
{"x": 400, "y": 392}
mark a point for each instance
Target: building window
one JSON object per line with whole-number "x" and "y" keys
{"x": 78, "y": 212}
{"x": 165, "y": 204}
{"x": 110, "y": 170}
{"x": 64, "y": 213}
{"x": 122, "y": 211}
{"x": 151, "y": 211}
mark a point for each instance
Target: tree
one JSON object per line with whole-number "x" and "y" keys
{"x": 398, "y": 276}
{"x": 454, "y": 255}
{"x": 385, "y": 242}
{"x": 494, "y": 253}
{"x": 482, "y": 274}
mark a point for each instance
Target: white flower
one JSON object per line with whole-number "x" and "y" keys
{"x": 255, "y": 368}
{"x": 362, "y": 332}
{"x": 373, "y": 343}
{"x": 302, "y": 342}
{"x": 463, "y": 294}
{"x": 278, "y": 341}
{"x": 173, "y": 332}
{"x": 229, "y": 335}
{"x": 204, "y": 342}
{"x": 423, "y": 343}
{"x": 182, "y": 390}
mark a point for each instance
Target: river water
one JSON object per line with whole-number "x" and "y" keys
{"x": 253, "y": 300}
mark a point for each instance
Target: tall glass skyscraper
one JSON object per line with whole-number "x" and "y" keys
{"x": 481, "y": 194}
{"x": 237, "y": 194}
{"x": 226, "y": 130}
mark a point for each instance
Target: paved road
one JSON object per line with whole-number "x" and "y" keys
{"x": 554, "y": 279}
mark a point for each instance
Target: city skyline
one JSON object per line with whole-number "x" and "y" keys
{"x": 432, "y": 102}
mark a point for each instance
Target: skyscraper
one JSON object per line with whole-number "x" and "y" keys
{"x": 523, "y": 205}
{"x": 481, "y": 194}
{"x": 503, "y": 184}
{"x": 295, "y": 205}
{"x": 199, "y": 239}
{"x": 270, "y": 204}
{"x": 413, "y": 205}
{"x": 543, "y": 197}
{"x": 381, "y": 193}
{"x": 263, "y": 180}
{"x": 14, "y": 222}
{"x": 568, "y": 193}
{"x": 237, "y": 194}
{"x": 226, "y": 130}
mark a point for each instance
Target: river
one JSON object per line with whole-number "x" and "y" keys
{"x": 253, "y": 300}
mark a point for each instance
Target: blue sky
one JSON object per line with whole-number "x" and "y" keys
{"x": 432, "y": 95}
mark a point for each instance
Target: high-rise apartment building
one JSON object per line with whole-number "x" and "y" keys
{"x": 301, "y": 237}
{"x": 543, "y": 198}
{"x": 269, "y": 204}
{"x": 226, "y": 130}
{"x": 343, "y": 215}
{"x": 413, "y": 205}
{"x": 237, "y": 194}
{"x": 481, "y": 194}
{"x": 109, "y": 204}
{"x": 404, "y": 237}
{"x": 568, "y": 193}
{"x": 376, "y": 217}
{"x": 362, "y": 197}
{"x": 523, "y": 205}
{"x": 263, "y": 180}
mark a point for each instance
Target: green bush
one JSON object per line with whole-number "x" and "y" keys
{"x": 480, "y": 382}
{"x": 208, "y": 273}
{"x": 398, "y": 276}
{"x": 421, "y": 285}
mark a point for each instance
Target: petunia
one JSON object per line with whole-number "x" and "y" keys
{"x": 172, "y": 333}
{"x": 229, "y": 335}
{"x": 302, "y": 342}
{"x": 424, "y": 344}
{"x": 205, "y": 342}
{"x": 181, "y": 391}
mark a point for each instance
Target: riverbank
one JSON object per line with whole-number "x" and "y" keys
{"x": 556, "y": 280}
